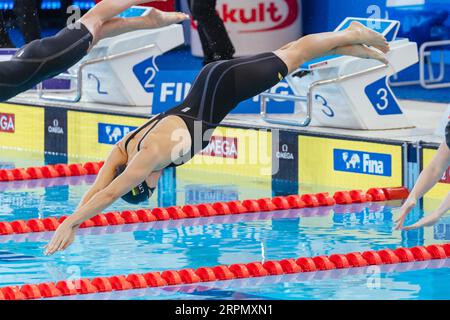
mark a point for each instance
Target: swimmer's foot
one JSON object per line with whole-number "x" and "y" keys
{"x": 157, "y": 18}
{"x": 139, "y": 2}
{"x": 362, "y": 51}
{"x": 369, "y": 37}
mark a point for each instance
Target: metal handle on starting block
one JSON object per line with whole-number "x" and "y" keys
{"x": 266, "y": 96}
{"x": 309, "y": 98}
{"x": 432, "y": 83}
{"x": 79, "y": 75}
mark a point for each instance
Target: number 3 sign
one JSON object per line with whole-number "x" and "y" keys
{"x": 382, "y": 99}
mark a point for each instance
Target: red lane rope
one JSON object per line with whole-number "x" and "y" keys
{"x": 295, "y": 277}
{"x": 226, "y": 219}
{"x": 208, "y": 210}
{"x": 224, "y": 272}
{"x": 50, "y": 171}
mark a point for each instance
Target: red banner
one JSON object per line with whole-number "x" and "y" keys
{"x": 222, "y": 147}
{"x": 446, "y": 176}
{"x": 7, "y": 122}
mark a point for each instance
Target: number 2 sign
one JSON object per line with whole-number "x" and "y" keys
{"x": 146, "y": 72}
{"x": 382, "y": 99}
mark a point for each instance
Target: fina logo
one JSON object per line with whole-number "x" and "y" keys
{"x": 111, "y": 133}
{"x": 55, "y": 128}
{"x": 363, "y": 162}
{"x": 114, "y": 134}
{"x": 285, "y": 154}
{"x": 352, "y": 162}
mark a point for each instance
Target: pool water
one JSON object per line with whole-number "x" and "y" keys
{"x": 194, "y": 243}
{"x": 425, "y": 280}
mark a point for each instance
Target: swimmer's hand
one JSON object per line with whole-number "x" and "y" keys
{"x": 63, "y": 238}
{"x": 404, "y": 211}
{"x": 426, "y": 221}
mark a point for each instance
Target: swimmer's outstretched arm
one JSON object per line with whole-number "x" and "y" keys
{"x": 140, "y": 167}
{"x": 427, "y": 180}
{"x": 106, "y": 174}
{"x": 434, "y": 217}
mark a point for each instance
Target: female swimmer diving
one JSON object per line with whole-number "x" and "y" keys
{"x": 172, "y": 138}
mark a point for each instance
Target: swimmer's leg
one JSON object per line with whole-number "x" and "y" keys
{"x": 361, "y": 51}
{"x": 104, "y": 11}
{"x": 154, "y": 19}
{"x": 312, "y": 46}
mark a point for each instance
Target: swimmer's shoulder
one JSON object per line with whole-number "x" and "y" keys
{"x": 122, "y": 143}
{"x": 121, "y": 146}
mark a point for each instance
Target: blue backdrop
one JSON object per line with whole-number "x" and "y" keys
{"x": 325, "y": 15}
{"x": 318, "y": 15}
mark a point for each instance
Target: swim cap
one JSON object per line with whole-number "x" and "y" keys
{"x": 138, "y": 194}
{"x": 447, "y": 134}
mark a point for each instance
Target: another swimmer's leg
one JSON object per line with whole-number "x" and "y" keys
{"x": 320, "y": 44}
{"x": 154, "y": 19}
{"x": 361, "y": 51}
{"x": 104, "y": 11}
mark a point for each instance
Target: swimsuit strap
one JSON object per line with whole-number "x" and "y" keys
{"x": 152, "y": 120}
{"x": 145, "y": 134}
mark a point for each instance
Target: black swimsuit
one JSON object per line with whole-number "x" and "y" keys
{"x": 43, "y": 59}
{"x": 218, "y": 89}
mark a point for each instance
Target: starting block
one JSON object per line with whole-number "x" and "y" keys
{"x": 120, "y": 70}
{"x": 350, "y": 92}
